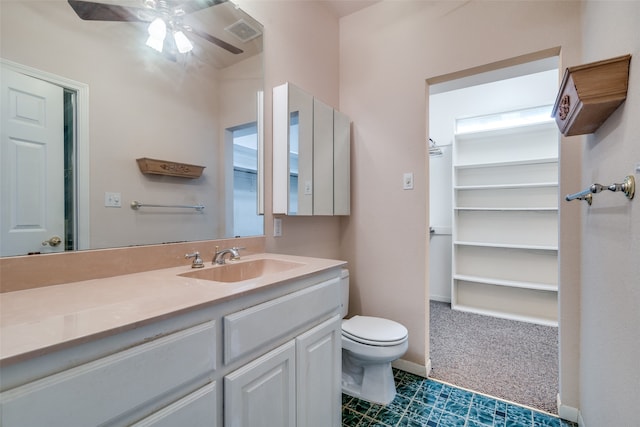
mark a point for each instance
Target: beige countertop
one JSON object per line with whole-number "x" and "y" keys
{"x": 36, "y": 321}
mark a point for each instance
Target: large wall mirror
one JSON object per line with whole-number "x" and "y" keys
{"x": 116, "y": 99}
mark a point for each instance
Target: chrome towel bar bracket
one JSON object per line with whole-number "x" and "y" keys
{"x": 628, "y": 187}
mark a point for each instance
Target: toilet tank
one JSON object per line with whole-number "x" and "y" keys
{"x": 344, "y": 288}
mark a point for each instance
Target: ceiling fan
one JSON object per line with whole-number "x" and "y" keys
{"x": 162, "y": 15}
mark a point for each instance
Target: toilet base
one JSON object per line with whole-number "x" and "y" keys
{"x": 370, "y": 382}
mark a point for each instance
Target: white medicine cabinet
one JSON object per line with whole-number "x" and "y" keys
{"x": 311, "y": 155}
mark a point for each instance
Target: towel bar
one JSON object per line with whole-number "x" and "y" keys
{"x": 628, "y": 187}
{"x": 137, "y": 205}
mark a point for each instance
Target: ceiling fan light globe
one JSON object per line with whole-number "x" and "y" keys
{"x": 155, "y": 43}
{"x": 157, "y": 29}
{"x": 183, "y": 44}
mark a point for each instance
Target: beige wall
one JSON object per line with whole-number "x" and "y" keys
{"x": 387, "y": 52}
{"x": 610, "y": 319}
{"x": 301, "y": 46}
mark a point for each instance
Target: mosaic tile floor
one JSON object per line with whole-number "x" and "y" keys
{"x": 424, "y": 402}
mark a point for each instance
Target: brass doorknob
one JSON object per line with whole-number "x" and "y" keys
{"x": 54, "y": 241}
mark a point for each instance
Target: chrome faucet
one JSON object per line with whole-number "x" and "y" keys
{"x": 218, "y": 257}
{"x": 197, "y": 261}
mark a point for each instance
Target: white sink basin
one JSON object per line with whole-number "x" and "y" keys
{"x": 243, "y": 270}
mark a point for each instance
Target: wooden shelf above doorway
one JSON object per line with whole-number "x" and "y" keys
{"x": 589, "y": 94}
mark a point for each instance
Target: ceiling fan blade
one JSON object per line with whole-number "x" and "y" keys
{"x": 91, "y": 11}
{"x": 221, "y": 43}
{"x": 191, "y": 6}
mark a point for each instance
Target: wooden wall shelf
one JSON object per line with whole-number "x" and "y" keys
{"x": 590, "y": 93}
{"x": 163, "y": 167}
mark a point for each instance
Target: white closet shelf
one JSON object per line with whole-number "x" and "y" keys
{"x": 505, "y": 315}
{"x": 507, "y": 245}
{"x": 524, "y": 209}
{"x": 507, "y": 186}
{"x": 504, "y": 222}
{"x": 509, "y": 283}
{"x": 507, "y": 163}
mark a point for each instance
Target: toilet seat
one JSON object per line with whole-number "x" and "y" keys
{"x": 374, "y": 331}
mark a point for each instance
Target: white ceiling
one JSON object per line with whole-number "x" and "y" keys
{"x": 346, "y": 7}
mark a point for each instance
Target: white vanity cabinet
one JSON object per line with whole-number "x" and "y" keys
{"x": 173, "y": 374}
{"x": 298, "y": 381}
{"x": 273, "y": 355}
{"x": 296, "y": 384}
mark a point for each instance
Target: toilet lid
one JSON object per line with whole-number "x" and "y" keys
{"x": 374, "y": 330}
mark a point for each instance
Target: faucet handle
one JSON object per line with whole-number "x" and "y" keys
{"x": 197, "y": 261}
{"x": 235, "y": 252}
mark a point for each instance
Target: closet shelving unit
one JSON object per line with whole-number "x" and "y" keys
{"x": 505, "y": 222}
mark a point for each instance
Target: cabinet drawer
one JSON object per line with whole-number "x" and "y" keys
{"x": 107, "y": 388}
{"x": 269, "y": 323}
{"x": 195, "y": 409}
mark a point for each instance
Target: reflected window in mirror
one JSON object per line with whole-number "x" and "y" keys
{"x": 246, "y": 220}
{"x": 294, "y": 121}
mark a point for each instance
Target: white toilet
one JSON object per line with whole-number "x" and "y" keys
{"x": 369, "y": 345}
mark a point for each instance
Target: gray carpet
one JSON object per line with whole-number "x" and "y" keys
{"x": 512, "y": 360}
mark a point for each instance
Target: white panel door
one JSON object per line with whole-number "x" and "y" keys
{"x": 262, "y": 393}
{"x": 318, "y": 368}
{"x": 32, "y": 159}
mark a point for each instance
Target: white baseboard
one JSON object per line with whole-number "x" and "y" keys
{"x": 414, "y": 368}
{"x": 569, "y": 413}
{"x": 440, "y": 298}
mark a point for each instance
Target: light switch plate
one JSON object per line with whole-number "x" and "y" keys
{"x": 407, "y": 180}
{"x": 112, "y": 200}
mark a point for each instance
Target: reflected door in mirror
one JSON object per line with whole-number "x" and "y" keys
{"x": 33, "y": 217}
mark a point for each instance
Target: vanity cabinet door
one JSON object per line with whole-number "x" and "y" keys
{"x": 263, "y": 392}
{"x": 318, "y": 367}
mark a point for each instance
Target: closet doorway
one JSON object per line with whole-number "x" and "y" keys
{"x": 493, "y": 174}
